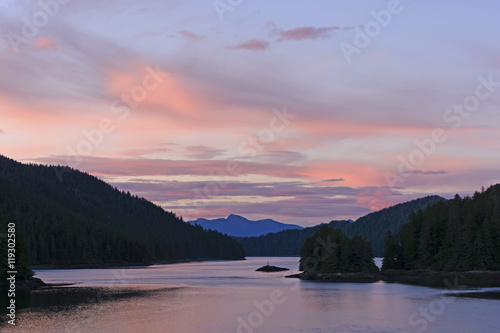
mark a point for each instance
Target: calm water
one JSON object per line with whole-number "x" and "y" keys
{"x": 228, "y": 296}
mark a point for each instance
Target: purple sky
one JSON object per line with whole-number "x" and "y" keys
{"x": 298, "y": 111}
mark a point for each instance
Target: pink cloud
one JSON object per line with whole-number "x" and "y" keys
{"x": 180, "y": 103}
{"x": 354, "y": 173}
{"x": 252, "y": 45}
{"x": 26, "y": 119}
{"x": 45, "y": 43}
{"x": 376, "y": 199}
{"x": 44, "y": 130}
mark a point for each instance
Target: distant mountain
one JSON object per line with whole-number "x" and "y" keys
{"x": 238, "y": 226}
{"x": 78, "y": 219}
{"x": 374, "y": 225}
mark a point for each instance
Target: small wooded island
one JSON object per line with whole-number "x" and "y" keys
{"x": 451, "y": 244}
{"x": 329, "y": 255}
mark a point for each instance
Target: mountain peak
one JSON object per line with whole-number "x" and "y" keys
{"x": 239, "y": 226}
{"x": 234, "y": 216}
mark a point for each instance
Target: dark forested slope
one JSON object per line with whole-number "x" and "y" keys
{"x": 375, "y": 225}
{"x": 79, "y": 219}
{"x": 461, "y": 234}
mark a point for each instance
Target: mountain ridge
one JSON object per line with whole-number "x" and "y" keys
{"x": 239, "y": 226}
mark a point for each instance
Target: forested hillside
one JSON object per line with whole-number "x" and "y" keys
{"x": 374, "y": 225}
{"x": 79, "y": 219}
{"x": 458, "y": 235}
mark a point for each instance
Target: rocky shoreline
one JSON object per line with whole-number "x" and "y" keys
{"x": 23, "y": 284}
{"x": 494, "y": 295}
{"x": 338, "y": 277}
{"x": 450, "y": 280}
{"x": 129, "y": 265}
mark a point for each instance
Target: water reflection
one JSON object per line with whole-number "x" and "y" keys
{"x": 64, "y": 298}
{"x": 216, "y": 297}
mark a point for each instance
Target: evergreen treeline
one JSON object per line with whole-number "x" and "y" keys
{"x": 458, "y": 235}
{"x": 79, "y": 219}
{"x": 374, "y": 225}
{"x": 331, "y": 251}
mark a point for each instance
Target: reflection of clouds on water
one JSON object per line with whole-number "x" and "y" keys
{"x": 209, "y": 296}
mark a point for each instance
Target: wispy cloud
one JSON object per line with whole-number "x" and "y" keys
{"x": 202, "y": 152}
{"x": 77, "y": 70}
{"x": 296, "y": 34}
{"x": 334, "y": 180}
{"x": 303, "y": 33}
{"x": 429, "y": 172}
{"x": 190, "y": 35}
{"x": 164, "y": 167}
{"x": 281, "y": 156}
{"x": 174, "y": 149}
{"x": 252, "y": 45}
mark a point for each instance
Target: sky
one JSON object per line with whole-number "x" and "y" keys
{"x": 299, "y": 111}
